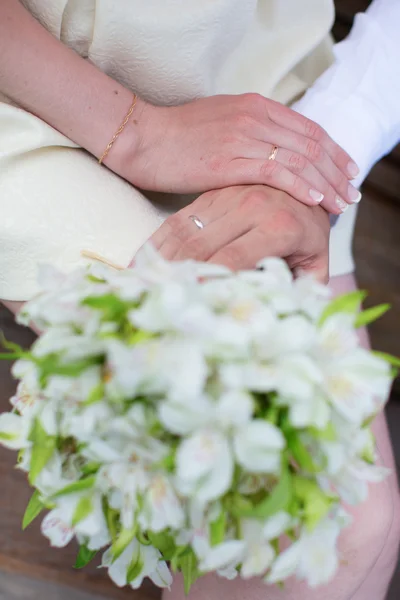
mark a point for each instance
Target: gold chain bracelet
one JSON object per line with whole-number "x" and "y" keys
{"x": 119, "y": 131}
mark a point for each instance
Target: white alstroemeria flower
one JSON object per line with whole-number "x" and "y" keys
{"x": 204, "y": 466}
{"x": 234, "y": 409}
{"x": 86, "y": 422}
{"x": 14, "y": 431}
{"x": 57, "y": 529}
{"x": 183, "y": 416}
{"x": 53, "y": 478}
{"x": 24, "y": 401}
{"x": 73, "y": 346}
{"x": 161, "y": 506}
{"x": 312, "y": 412}
{"x": 276, "y": 525}
{"x": 336, "y": 338}
{"x": 293, "y": 335}
{"x": 27, "y": 372}
{"x": 357, "y": 385}
{"x": 74, "y": 390}
{"x": 314, "y": 557}
{"x": 259, "y": 553}
{"x": 353, "y": 480}
{"x": 124, "y": 483}
{"x": 311, "y": 297}
{"x": 226, "y": 555}
{"x": 93, "y": 523}
{"x": 147, "y": 561}
{"x": 258, "y": 447}
{"x": 170, "y": 366}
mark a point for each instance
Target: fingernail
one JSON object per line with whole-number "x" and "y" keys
{"x": 341, "y": 204}
{"x": 353, "y": 169}
{"x": 354, "y": 194}
{"x": 316, "y": 196}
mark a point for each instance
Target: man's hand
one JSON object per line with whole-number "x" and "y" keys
{"x": 242, "y": 225}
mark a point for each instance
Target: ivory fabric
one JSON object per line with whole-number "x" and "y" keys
{"x": 55, "y": 200}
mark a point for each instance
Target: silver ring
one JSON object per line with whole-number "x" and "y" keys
{"x": 199, "y": 224}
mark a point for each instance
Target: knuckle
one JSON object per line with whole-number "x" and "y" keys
{"x": 270, "y": 171}
{"x": 253, "y": 200}
{"x": 284, "y": 221}
{"x": 314, "y": 151}
{"x": 243, "y": 121}
{"x": 297, "y": 163}
{"x": 313, "y": 130}
{"x": 254, "y": 101}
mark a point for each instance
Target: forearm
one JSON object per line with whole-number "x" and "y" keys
{"x": 50, "y": 80}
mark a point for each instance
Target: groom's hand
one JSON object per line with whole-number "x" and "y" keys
{"x": 244, "y": 224}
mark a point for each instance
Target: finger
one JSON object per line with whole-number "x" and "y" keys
{"x": 247, "y": 250}
{"x": 315, "y": 154}
{"x": 299, "y": 165}
{"x": 275, "y": 175}
{"x": 215, "y": 236}
{"x": 290, "y": 119}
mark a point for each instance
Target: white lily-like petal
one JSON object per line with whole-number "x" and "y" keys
{"x": 313, "y": 412}
{"x": 319, "y": 559}
{"x": 291, "y": 335}
{"x": 161, "y": 506}
{"x": 337, "y": 337}
{"x": 25, "y": 401}
{"x": 186, "y": 416}
{"x": 286, "y": 564}
{"x": 259, "y": 553}
{"x": 276, "y": 525}
{"x": 14, "y": 431}
{"x": 204, "y": 466}
{"x": 56, "y": 529}
{"x": 258, "y": 447}
{"x": 223, "y": 555}
{"x": 234, "y": 409}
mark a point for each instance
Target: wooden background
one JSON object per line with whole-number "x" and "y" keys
{"x": 29, "y": 568}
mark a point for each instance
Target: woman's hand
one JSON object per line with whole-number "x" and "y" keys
{"x": 243, "y": 225}
{"x": 222, "y": 141}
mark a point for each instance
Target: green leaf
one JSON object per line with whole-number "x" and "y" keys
{"x": 7, "y": 437}
{"x": 134, "y": 569}
{"x": 190, "y": 571}
{"x": 96, "y": 395}
{"x": 14, "y": 348}
{"x": 43, "y": 447}
{"x": 34, "y": 508}
{"x": 122, "y": 542}
{"x": 83, "y": 509}
{"x": 85, "y": 556}
{"x": 392, "y": 360}
{"x": 301, "y": 455}
{"x": 52, "y": 365}
{"x": 112, "y": 518}
{"x": 91, "y": 468}
{"x": 165, "y": 543}
{"x": 78, "y": 486}
{"x": 314, "y": 502}
{"x": 277, "y": 500}
{"x": 112, "y": 307}
{"x": 370, "y": 315}
{"x": 217, "y": 529}
{"x": 328, "y": 434}
{"x": 348, "y": 303}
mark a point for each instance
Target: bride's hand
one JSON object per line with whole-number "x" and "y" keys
{"x": 222, "y": 141}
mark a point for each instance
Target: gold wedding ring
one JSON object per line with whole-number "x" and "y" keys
{"x": 273, "y": 153}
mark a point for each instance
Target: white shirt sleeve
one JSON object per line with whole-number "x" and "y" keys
{"x": 357, "y": 100}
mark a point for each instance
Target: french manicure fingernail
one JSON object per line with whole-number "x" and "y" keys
{"x": 353, "y": 169}
{"x": 354, "y": 194}
{"x": 341, "y": 204}
{"x": 316, "y": 196}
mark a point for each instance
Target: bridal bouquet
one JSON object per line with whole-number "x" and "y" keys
{"x": 178, "y": 417}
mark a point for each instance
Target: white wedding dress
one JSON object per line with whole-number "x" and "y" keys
{"x": 55, "y": 200}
